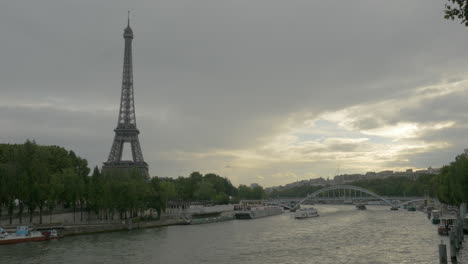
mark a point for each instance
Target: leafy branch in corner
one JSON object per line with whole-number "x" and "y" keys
{"x": 457, "y": 9}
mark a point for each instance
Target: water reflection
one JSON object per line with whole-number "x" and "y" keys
{"x": 341, "y": 234}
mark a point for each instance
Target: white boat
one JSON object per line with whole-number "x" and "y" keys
{"x": 306, "y": 213}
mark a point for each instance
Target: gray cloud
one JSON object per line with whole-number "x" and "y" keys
{"x": 223, "y": 75}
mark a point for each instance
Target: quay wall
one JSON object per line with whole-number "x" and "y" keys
{"x": 125, "y": 225}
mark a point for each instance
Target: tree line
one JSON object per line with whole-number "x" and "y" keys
{"x": 35, "y": 178}
{"x": 209, "y": 187}
{"x": 39, "y": 177}
{"x": 450, "y": 186}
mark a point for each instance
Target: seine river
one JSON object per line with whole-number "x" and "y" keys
{"x": 341, "y": 234}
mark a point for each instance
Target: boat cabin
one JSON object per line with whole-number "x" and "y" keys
{"x": 446, "y": 224}
{"x": 22, "y": 231}
{"x": 3, "y": 233}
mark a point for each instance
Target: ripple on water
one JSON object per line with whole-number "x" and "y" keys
{"x": 340, "y": 235}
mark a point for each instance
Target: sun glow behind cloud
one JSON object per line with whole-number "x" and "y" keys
{"x": 406, "y": 130}
{"x": 366, "y": 137}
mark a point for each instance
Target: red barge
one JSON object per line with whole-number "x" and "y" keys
{"x": 24, "y": 235}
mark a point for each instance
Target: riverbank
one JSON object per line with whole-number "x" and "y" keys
{"x": 82, "y": 229}
{"x": 72, "y": 230}
{"x": 68, "y": 223}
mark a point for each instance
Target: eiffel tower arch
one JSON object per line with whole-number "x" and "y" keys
{"x": 126, "y": 130}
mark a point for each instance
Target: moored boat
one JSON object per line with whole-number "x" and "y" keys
{"x": 206, "y": 220}
{"x": 306, "y": 213}
{"x": 435, "y": 217}
{"x": 24, "y": 235}
{"x": 258, "y": 212}
{"x": 361, "y": 207}
{"x": 446, "y": 224}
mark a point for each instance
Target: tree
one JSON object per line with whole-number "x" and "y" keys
{"x": 28, "y": 166}
{"x": 73, "y": 186}
{"x": 258, "y": 192}
{"x": 3, "y": 187}
{"x": 96, "y": 192}
{"x": 55, "y": 189}
{"x": 155, "y": 199}
{"x": 168, "y": 191}
{"x": 81, "y": 168}
{"x": 452, "y": 183}
{"x": 222, "y": 198}
{"x": 457, "y": 9}
{"x": 252, "y": 193}
{"x": 40, "y": 187}
{"x": 204, "y": 191}
{"x": 243, "y": 192}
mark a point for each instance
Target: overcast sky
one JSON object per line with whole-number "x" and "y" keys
{"x": 265, "y": 91}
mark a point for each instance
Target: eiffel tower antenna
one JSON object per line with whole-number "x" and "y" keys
{"x": 128, "y": 19}
{"x": 126, "y": 130}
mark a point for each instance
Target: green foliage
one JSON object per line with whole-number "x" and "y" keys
{"x": 299, "y": 191}
{"x": 34, "y": 176}
{"x": 221, "y": 198}
{"x": 208, "y": 187}
{"x": 204, "y": 191}
{"x": 162, "y": 192}
{"x": 40, "y": 177}
{"x": 457, "y": 9}
{"x": 451, "y": 186}
{"x": 399, "y": 186}
{"x": 125, "y": 191}
{"x": 250, "y": 193}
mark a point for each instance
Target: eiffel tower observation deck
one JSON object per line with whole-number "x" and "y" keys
{"x": 126, "y": 130}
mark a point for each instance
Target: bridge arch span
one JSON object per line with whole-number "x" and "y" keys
{"x": 343, "y": 187}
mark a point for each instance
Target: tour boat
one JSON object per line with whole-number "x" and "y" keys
{"x": 394, "y": 208}
{"x": 306, "y": 213}
{"x": 24, "y": 235}
{"x": 258, "y": 211}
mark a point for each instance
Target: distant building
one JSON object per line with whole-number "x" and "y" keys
{"x": 384, "y": 174}
{"x": 253, "y": 185}
{"x": 347, "y": 178}
{"x": 350, "y": 178}
{"x": 429, "y": 170}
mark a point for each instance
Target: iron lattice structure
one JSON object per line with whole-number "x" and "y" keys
{"x": 126, "y": 131}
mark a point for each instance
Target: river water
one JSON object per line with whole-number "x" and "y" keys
{"x": 341, "y": 234}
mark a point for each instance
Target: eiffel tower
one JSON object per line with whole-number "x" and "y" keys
{"x": 126, "y": 131}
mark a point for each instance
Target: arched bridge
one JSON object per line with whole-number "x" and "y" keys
{"x": 342, "y": 187}
{"x": 419, "y": 200}
{"x": 347, "y": 192}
